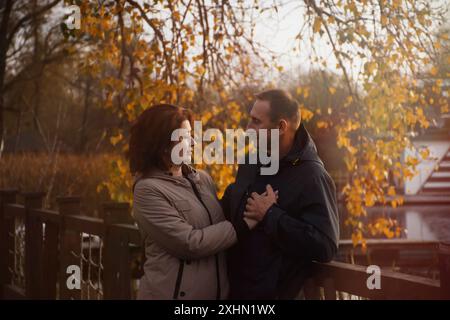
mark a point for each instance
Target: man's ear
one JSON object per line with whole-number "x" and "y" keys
{"x": 282, "y": 126}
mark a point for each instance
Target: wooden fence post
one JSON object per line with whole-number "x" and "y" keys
{"x": 33, "y": 245}
{"x": 70, "y": 247}
{"x": 329, "y": 289}
{"x": 116, "y": 259}
{"x": 311, "y": 290}
{"x": 6, "y": 241}
{"x": 444, "y": 269}
{"x": 50, "y": 257}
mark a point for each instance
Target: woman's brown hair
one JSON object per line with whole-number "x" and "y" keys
{"x": 150, "y": 137}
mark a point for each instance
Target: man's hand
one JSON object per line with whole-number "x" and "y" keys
{"x": 251, "y": 223}
{"x": 258, "y": 204}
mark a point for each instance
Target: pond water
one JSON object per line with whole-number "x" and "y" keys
{"x": 419, "y": 222}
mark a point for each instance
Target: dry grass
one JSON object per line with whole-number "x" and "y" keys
{"x": 58, "y": 175}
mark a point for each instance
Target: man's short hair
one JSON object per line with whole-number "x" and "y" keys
{"x": 282, "y": 105}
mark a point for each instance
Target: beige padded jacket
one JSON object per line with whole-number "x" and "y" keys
{"x": 185, "y": 234}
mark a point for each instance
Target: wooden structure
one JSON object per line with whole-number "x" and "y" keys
{"x": 38, "y": 248}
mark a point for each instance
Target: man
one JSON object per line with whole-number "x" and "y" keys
{"x": 296, "y": 209}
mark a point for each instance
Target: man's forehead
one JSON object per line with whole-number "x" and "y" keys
{"x": 260, "y": 108}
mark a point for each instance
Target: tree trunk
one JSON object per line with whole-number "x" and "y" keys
{"x": 37, "y": 67}
{"x": 5, "y": 7}
{"x": 87, "y": 102}
{"x": 18, "y": 130}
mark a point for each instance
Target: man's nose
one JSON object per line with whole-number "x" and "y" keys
{"x": 193, "y": 142}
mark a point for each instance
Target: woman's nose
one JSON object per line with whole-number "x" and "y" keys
{"x": 193, "y": 142}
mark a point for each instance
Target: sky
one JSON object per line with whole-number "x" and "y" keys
{"x": 278, "y": 31}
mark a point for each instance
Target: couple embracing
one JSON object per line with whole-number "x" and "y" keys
{"x": 259, "y": 239}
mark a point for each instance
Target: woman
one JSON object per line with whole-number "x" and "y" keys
{"x": 178, "y": 213}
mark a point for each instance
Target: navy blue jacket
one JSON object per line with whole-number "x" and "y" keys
{"x": 273, "y": 260}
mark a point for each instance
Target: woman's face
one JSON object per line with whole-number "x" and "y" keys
{"x": 186, "y": 142}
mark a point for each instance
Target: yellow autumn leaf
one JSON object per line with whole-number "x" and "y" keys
{"x": 424, "y": 153}
{"x": 306, "y": 114}
{"x": 370, "y": 67}
{"x": 200, "y": 70}
{"x": 317, "y": 25}
{"x": 322, "y": 124}
{"x": 434, "y": 71}
{"x": 391, "y": 191}
{"x": 116, "y": 139}
{"x": 332, "y": 90}
{"x": 369, "y": 199}
{"x": 305, "y": 93}
{"x": 356, "y": 238}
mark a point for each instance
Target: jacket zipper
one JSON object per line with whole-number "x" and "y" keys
{"x": 178, "y": 282}
{"x": 197, "y": 194}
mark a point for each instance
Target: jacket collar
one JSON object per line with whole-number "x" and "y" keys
{"x": 188, "y": 172}
{"x": 303, "y": 148}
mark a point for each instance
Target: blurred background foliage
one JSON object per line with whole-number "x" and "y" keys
{"x": 376, "y": 73}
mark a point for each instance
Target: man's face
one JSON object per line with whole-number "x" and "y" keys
{"x": 260, "y": 116}
{"x": 260, "y": 119}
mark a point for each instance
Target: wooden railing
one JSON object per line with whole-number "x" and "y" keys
{"x": 419, "y": 257}
{"x": 55, "y": 240}
{"x": 107, "y": 251}
{"x": 336, "y": 280}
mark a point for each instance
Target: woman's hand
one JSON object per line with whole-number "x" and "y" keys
{"x": 251, "y": 223}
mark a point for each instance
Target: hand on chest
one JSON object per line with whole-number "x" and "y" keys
{"x": 288, "y": 190}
